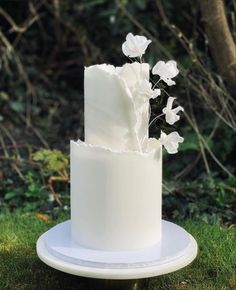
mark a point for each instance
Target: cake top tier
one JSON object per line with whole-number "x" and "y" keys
{"x": 117, "y": 108}
{"x": 116, "y": 111}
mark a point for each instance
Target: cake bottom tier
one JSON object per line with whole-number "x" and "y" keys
{"x": 115, "y": 197}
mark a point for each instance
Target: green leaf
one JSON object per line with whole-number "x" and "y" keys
{"x": 10, "y": 195}
{"x": 53, "y": 160}
{"x": 4, "y": 96}
{"x": 17, "y": 106}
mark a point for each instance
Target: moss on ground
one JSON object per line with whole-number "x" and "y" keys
{"x": 20, "y": 268}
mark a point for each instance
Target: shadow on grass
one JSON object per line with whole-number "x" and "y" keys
{"x": 23, "y": 270}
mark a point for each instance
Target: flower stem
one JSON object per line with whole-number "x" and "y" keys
{"x": 156, "y": 83}
{"x": 153, "y": 120}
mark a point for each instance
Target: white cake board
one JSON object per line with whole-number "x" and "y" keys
{"x": 176, "y": 250}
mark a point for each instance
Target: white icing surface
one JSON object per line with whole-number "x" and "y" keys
{"x": 115, "y": 197}
{"x": 116, "y": 116}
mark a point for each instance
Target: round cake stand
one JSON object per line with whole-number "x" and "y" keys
{"x": 176, "y": 250}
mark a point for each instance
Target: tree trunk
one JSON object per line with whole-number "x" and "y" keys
{"x": 221, "y": 42}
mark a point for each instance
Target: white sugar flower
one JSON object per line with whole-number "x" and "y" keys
{"x": 135, "y": 45}
{"x": 145, "y": 87}
{"x": 166, "y": 71}
{"x": 171, "y": 141}
{"x": 171, "y": 114}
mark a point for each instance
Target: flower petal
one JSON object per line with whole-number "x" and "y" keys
{"x": 172, "y": 68}
{"x": 168, "y": 81}
{"x": 171, "y": 117}
{"x": 166, "y": 71}
{"x": 178, "y": 109}
{"x": 135, "y": 45}
{"x": 158, "y": 68}
{"x": 171, "y": 141}
{"x": 171, "y": 114}
{"x": 156, "y": 93}
{"x": 170, "y": 102}
{"x": 175, "y": 137}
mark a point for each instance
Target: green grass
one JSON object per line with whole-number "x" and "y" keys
{"x": 20, "y": 269}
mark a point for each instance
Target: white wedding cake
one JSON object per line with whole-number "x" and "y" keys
{"x": 116, "y": 173}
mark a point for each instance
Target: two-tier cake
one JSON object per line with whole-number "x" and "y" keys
{"x": 116, "y": 174}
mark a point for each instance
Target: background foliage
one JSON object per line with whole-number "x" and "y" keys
{"x": 44, "y": 46}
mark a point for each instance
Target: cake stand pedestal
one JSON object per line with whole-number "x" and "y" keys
{"x": 176, "y": 250}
